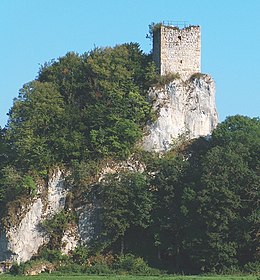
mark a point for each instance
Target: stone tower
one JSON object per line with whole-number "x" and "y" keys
{"x": 176, "y": 49}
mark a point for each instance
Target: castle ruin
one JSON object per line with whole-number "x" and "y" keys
{"x": 176, "y": 49}
{"x": 185, "y": 107}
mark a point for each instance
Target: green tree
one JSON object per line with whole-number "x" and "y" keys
{"x": 125, "y": 202}
{"x": 4, "y": 151}
{"x": 67, "y": 73}
{"x": 35, "y": 128}
{"x": 14, "y": 185}
{"x": 169, "y": 211}
{"x": 229, "y": 198}
{"x": 105, "y": 94}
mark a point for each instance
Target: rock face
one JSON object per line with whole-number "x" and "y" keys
{"x": 184, "y": 108}
{"x": 70, "y": 239}
{"x": 87, "y": 213}
{"x": 21, "y": 241}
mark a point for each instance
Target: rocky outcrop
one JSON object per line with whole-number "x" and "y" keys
{"x": 87, "y": 212}
{"x": 19, "y": 242}
{"x": 23, "y": 240}
{"x": 184, "y": 108}
{"x": 70, "y": 239}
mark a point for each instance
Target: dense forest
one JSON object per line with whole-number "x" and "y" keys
{"x": 193, "y": 209}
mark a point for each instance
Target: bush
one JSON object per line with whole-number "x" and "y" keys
{"x": 252, "y": 268}
{"x": 107, "y": 259}
{"x": 231, "y": 270}
{"x": 71, "y": 268}
{"x": 17, "y": 269}
{"x": 33, "y": 267}
{"x": 53, "y": 255}
{"x": 99, "y": 269}
{"x": 80, "y": 255}
{"x": 134, "y": 265}
{"x": 165, "y": 79}
{"x": 196, "y": 76}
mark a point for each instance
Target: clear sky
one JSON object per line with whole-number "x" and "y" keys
{"x": 36, "y": 31}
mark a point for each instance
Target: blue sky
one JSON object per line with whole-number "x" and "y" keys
{"x": 35, "y": 31}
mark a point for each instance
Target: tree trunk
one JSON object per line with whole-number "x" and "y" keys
{"x": 159, "y": 254}
{"x": 122, "y": 247}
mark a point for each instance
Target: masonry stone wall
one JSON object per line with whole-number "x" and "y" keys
{"x": 177, "y": 50}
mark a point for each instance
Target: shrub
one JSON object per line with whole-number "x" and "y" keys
{"x": 252, "y": 268}
{"x": 52, "y": 255}
{"x": 165, "y": 79}
{"x": 107, "y": 259}
{"x": 71, "y": 268}
{"x": 17, "y": 269}
{"x": 80, "y": 255}
{"x": 134, "y": 265}
{"x": 33, "y": 267}
{"x": 100, "y": 264}
{"x": 99, "y": 268}
{"x": 196, "y": 76}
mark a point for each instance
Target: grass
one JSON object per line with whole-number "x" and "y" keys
{"x": 126, "y": 277}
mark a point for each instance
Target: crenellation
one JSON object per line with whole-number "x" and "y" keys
{"x": 177, "y": 50}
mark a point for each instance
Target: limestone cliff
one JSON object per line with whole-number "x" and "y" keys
{"x": 183, "y": 108}
{"x": 21, "y": 240}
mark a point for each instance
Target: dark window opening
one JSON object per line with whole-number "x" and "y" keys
{"x": 179, "y": 37}
{"x": 180, "y": 61}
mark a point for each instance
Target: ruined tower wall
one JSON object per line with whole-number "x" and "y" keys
{"x": 177, "y": 50}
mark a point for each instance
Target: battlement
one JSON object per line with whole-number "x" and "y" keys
{"x": 176, "y": 49}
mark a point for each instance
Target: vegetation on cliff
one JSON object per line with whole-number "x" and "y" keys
{"x": 194, "y": 209}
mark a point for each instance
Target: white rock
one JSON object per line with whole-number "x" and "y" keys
{"x": 183, "y": 108}
{"x": 25, "y": 239}
{"x": 56, "y": 192}
{"x": 70, "y": 239}
{"x": 22, "y": 241}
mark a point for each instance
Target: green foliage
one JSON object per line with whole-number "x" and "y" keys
{"x": 83, "y": 173}
{"x": 130, "y": 264}
{"x": 3, "y": 148}
{"x": 196, "y": 76}
{"x": 80, "y": 254}
{"x": 80, "y": 107}
{"x": 55, "y": 227}
{"x": 162, "y": 80}
{"x": 34, "y": 127}
{"x": 10, "y": 182}
{"x": 230, "y": 196}
{"x": 28, "y": 184}
{"x": 227, "y": 197}
{"x": 13, "y": 185}
{"x": 126, "y": 202}
{"x": 26, "y": 268}
{"x": 170, "y": 209}
{"x": 52, "y": 255}
{"x": 70, "y": 269}
{"x": 117, "y": 139}
{"x": 76, "y": 276}
{"x": 252, "y": 268}
{"x": 153, "y": 28}
{"x": 99, "y": 269}
{"x": 194, "y": 209}
{"x": 17, "y": 269}
{"x": 109, "y": 264}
